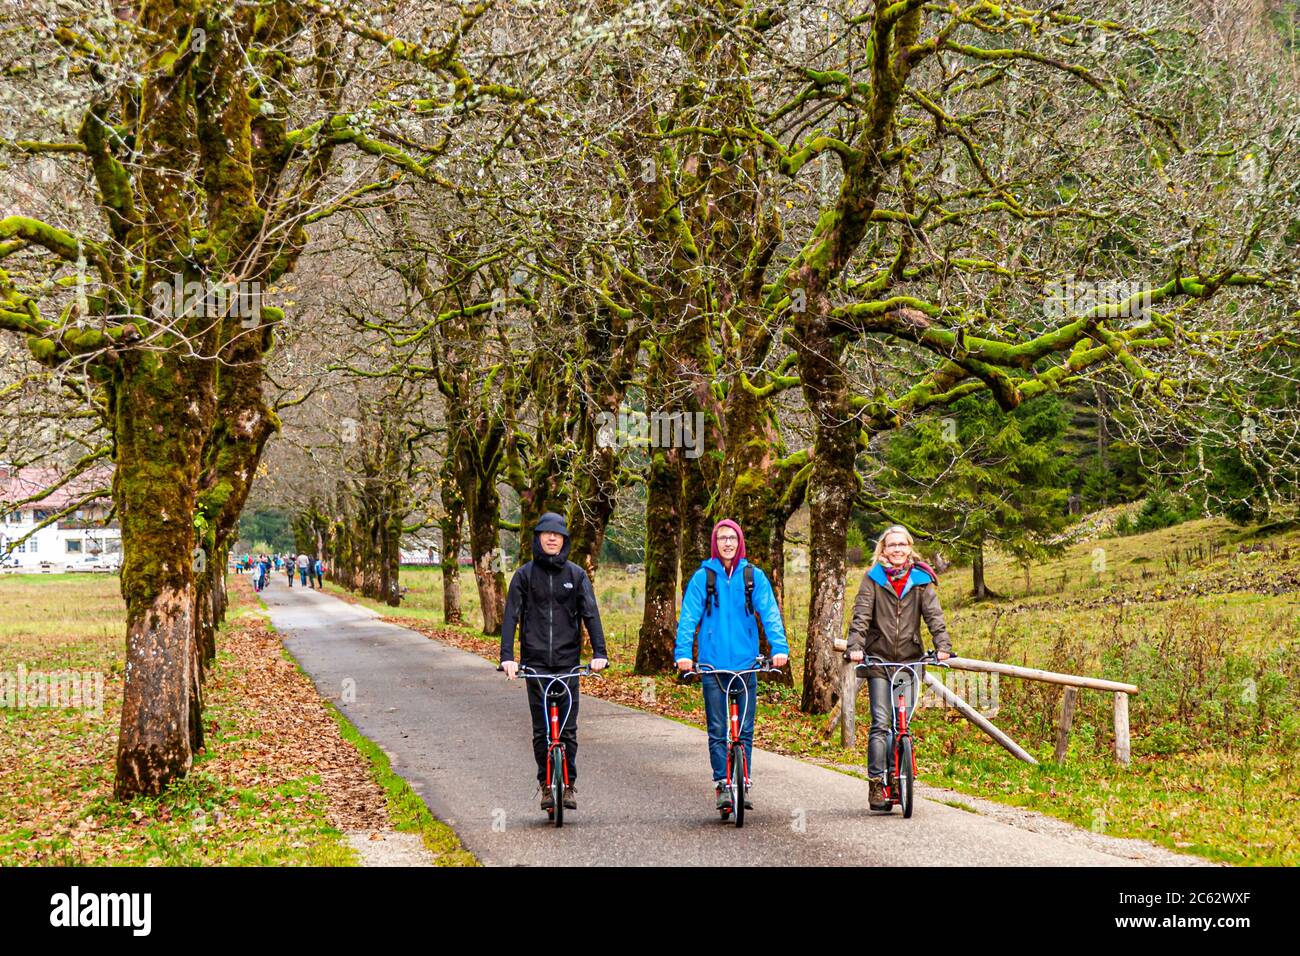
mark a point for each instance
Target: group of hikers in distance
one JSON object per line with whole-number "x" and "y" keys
{"x": 311, "y": 571}
{"x": 550, "y": 598}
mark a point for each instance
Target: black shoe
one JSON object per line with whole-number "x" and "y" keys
{"x": 570, "y": 798}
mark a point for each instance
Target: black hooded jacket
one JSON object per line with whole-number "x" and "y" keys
{"x": 548, "y": 597}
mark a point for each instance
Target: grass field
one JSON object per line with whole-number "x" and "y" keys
{"x": 255, "y": 796}
{"x": 1205, "y": 618}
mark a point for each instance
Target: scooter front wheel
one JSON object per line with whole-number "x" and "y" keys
{"x": 557, "y": 787}
{"x": 905, "y": 776}
{"x": 738, "y": 786}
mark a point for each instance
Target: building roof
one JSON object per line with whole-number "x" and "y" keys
{"x": 19, "y": 484}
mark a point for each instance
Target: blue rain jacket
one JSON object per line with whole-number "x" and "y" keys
{"x": 729, "y": 635}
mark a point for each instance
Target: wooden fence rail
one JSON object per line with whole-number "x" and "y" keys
{"x": 850, "y": 686}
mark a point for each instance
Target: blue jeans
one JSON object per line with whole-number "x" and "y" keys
{"x": 717, "y": 713}
{"x": 880, "y": 741}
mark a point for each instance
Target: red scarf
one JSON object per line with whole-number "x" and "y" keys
{"x": 897, "y": 574}
{"x": 897, "y": 577}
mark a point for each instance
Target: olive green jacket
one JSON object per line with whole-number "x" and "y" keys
{"x": 889, "y": 627}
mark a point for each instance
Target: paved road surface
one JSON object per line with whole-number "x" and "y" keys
{"x": 458, "y": 732}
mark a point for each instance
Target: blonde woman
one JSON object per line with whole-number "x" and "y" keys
{"x": 897, "y": 591}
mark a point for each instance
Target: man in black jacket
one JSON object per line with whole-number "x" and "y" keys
{"x": 548, "y": 597}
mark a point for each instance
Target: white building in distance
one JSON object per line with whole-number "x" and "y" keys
{"x": 83, "y": 538}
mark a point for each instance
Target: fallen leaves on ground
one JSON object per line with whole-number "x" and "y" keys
{"x": 295, "y": 735}
{"x": 251, "y": 796}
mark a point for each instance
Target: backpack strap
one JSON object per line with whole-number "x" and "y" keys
{"x": 710, "y": 594}
{"x": 749, "y": 600}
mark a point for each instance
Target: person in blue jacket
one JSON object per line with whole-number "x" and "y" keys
{"x": 728, "y": 640}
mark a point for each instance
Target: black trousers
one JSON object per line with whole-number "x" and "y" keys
{"x": 537, "y": 706}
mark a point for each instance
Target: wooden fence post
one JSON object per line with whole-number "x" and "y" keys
{"x": 1121, "y": 728}
{"x": 1067, "y": 719}
{"x": 848, "y": 705}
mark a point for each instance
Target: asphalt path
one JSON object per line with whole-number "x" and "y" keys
{"x": 458, "y": 731}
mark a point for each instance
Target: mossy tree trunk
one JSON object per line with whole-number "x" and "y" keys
{"x": 484, "y": 544}
{"x": 832, "y": 486}
{"x": 360, "y": 536}
{"x": 754, "y": 489}
{"x": 449, "y": 523}
{"x": 654, "y": 651}
{"x": 979, "y": 589}
{"x": 478, "y": 459}
{"x": 162, "y": 401}
{"x": 606, "y": 368}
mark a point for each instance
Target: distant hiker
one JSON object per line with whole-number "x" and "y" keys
{"x": 288, "y": 568}
{"x": 724, "y": 607}
{"x": 319, "y": 568}
{"x": 303, "y": 563}
{"x": 896, "y": 592}
{"x": 550, "y": 598}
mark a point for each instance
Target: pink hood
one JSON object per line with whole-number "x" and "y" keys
{"x": 713, "y": 539}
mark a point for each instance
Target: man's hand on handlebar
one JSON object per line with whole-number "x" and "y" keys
{"x": 686, "y": 665}
{"x": 779, "y": 660}
{"x": 598, "y": 664}
{"x": 511, "y": 668}
{"x": 855, "y": 656}
{"x": 942, "y": 655}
